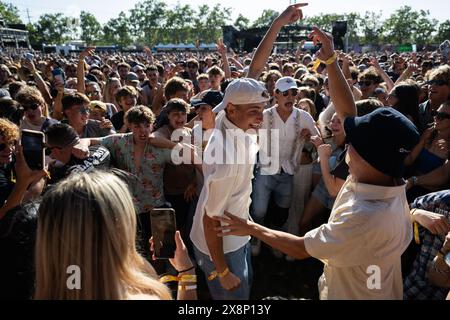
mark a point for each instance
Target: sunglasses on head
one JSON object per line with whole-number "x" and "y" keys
{"x": 441, "y": 115}
{"x": 366, "y": 83}
{"x": 31, "y": 107}
{"x": 437, "y": 82}
{"x": 293, "y": 92}
{"x": 7, "y": 144}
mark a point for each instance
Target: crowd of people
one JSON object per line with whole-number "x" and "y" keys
{"x": 354, "y": 164}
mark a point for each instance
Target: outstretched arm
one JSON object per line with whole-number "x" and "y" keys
{"x": 288, "y": 243}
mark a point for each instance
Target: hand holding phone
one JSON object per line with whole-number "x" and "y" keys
{"x": 58, "y": 75}
{"x": 163, "y": 227}
{"x": 33, "y": 149}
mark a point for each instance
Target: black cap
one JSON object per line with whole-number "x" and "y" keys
{"x": 384, "y": 138}
{"x": 211, "y": 98}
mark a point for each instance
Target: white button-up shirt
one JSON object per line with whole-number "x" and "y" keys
{"x": 368, "y": 230}
{"x": 288, "y": 153}
{"x": 227, "y": 187}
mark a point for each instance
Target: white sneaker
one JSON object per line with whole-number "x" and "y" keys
{"x": 256, "y": 246}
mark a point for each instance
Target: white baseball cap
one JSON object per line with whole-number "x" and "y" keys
{"x": 243, "y": 91}
{"x": 285, "y": 83}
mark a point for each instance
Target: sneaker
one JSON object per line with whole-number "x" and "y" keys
{"x": 277, "y": 254}
{"x": 256, "y": 246}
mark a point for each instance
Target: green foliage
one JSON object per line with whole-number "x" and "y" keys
{"x": 90, "y": 28}
{"x": 151, "y": 22}
{"x": 9, "y": 13}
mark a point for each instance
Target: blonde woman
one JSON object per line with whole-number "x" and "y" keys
{"x": 112, "y": 86}
{"x": 87, "y": 224}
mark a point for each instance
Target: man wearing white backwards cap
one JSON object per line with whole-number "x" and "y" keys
{"x": 227, "y": 187}
{"x": 286, "y": 128}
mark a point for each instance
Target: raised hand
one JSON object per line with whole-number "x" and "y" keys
{"x": 88, "y": 52}
{"x": 292, "y": 14}
{"x": 319, "y": 36}
{"x": 221, "y": 47}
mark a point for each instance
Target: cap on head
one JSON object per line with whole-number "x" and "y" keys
{"x": 211, "y": 98}
{"x": 383, "y": 138}
{"x": 132, "y": 77}
{"x": 285, "y": 83}
{"x": 243, "y": 91}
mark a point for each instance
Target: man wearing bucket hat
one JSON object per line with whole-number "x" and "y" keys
{"x": 370, "y": 225}
{"x": 227, "y": 188}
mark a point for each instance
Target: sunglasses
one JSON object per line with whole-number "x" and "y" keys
{"x": 192, "y": 66}
{"x": 365, "y": 83}
{"x": 437, "y": 82}
{"x": 293, "y": 92}
{"x": 309, "y": 84}
{"x": 31, "y": 107}
{"x": 441, "y": 115}
{"x": 84, "y": 110}
{"x": 93, "y": 93}
{"x": 8, "y": 144}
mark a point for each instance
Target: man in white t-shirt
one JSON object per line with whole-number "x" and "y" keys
{"x": 282, "y": 140}
{"x": 369, "y": 226}
{"x": 228, "y": 164}
{"x": 227, "y": 186}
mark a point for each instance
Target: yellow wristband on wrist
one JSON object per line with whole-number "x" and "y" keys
{"x": 331, "y": 59}
{"x": 215, "y": 274}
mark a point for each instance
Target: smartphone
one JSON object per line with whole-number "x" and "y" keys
{"x": 58, "y": 73}
{"x": 163, "y": 231}
{"x": 33, "y": 148}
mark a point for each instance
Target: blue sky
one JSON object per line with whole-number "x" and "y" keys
{"x": 106, "y": 9}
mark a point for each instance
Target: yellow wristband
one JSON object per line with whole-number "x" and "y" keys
{"x": 215, "y": 274}
{"x": 166, "y": 279}
{"x": 188, "y": 278}
{"x": 416, "y": 233}
{"x": 330, "y": 60}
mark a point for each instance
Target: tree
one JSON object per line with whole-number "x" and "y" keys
{"x": 443, "y": 31}
{"x": 147, "y": 16}
{"x": 178, "y": 28}
{"x": 400, "y": 26}
{"x": 371, "y": 26}
{"x": 425, "y": 27}
{"x": 266, "y": 18}
{"x": 218, "y": 16}
{"x": 90, "y": 28}
{"x": 52, "y": 28}
{"x": 241, "y": 22}
{"x": 9, "y": 13}
{"x": 116, "y": 31}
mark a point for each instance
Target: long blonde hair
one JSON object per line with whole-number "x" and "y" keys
{"x": 89, "y": 221}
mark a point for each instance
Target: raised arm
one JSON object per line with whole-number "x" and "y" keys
{"x": 389, "y": 83}
{"x": 81, "y": 86}
{"x": 222, "y": 48}
{"x": 290, "y": 15}
{"x": 340, "y": 92}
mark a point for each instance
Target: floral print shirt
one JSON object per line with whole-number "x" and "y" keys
{"x": 146, "y": 183}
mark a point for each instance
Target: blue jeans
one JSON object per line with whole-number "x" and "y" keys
{"x": 239, "y": 264}
{"x": 263, "y": 186}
